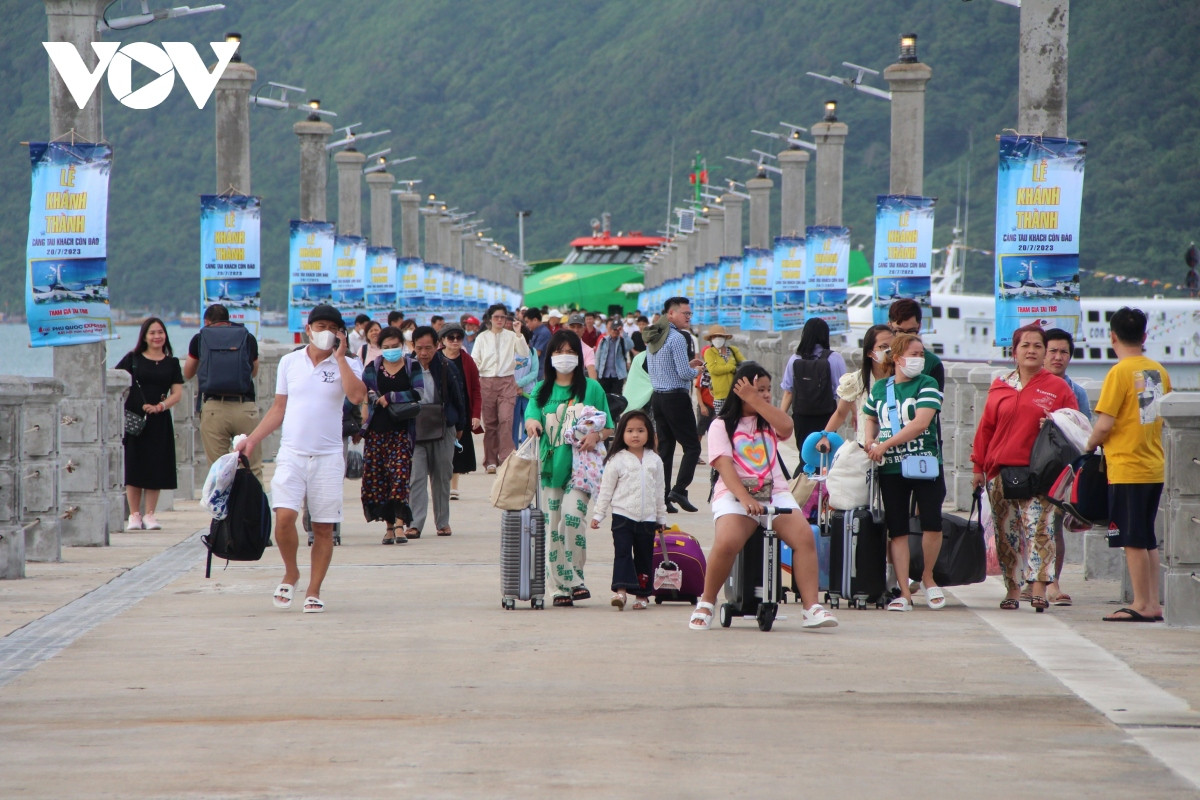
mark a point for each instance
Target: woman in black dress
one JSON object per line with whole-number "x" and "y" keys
{"x": 388, "y": 445}
{"x": 150, "y": 456}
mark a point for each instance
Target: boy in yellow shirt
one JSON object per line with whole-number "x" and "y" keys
{"x": 1129, "y": 426}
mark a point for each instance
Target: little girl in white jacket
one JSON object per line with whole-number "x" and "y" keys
{"x": 633, "y": 488}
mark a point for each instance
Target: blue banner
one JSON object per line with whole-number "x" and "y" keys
{"x": 433, "y": 288}
{"x": 410, "y": 273}
{"x": 310, "y": 270}
{"x": 903, "y": 253}
{"x": 66, "y": 274}
{"x": 787, "y": 283}
{"x": 381, "y": 288}
{"x": 729, "y": 302}
{"x": 230, "y": 262}
{"x": 1039, "y": 191}
{"x": 349, "y": 283}
{"x": 757, "y": 301}
{"x": 826, "y": 272}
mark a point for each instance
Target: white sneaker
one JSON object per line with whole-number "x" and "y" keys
{"x": 152, "y": 523}
{"x": 817, "y": 616}
{"x": 134, "y": 523}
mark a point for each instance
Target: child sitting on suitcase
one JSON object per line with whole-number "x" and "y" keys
{"x": 743, "y": 446}
{"x": 634, "y": 487}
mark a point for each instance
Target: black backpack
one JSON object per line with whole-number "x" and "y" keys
{"x": 225, "y": 364}
{"x": 246, "y": 530}
{"x": 812, "y": 386}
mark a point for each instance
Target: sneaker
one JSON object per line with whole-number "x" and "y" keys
{"x": 151, "y": 523}
{"x": 134, "y": 523}
{"x": 454, "y": 494}
{"x": 817, "y": 616}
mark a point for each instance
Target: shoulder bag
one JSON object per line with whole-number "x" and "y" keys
{"x": 921, "y": 468}
{"x": 135, "y": 423}
{"x": 431, "y": 417}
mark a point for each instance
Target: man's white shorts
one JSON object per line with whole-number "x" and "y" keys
{"x": 728, "y": 504}
{"x": 319, "y": 478}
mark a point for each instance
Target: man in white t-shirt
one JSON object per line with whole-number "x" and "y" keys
{"x": 311, "y": 386}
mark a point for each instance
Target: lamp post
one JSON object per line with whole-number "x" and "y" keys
{"x": 521, "y": 215}
{"x": 233, "y": 123}
{"x": 313, "y": 133}
{"x": 830, "y": 138}
{"x": 1042, "y": 71}
{"x": 759, "y": 188}
{"x": 907, "y": 79}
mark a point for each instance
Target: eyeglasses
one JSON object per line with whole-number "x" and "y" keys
{"x": 453, "y": 338}
{"x": 915, "y": 330}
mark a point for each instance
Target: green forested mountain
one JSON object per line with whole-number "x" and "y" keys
{"x": 571, "y": 108}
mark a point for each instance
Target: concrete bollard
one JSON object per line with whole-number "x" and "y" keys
{"x": 1179, "y": 509}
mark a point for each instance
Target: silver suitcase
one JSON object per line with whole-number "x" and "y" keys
{"x": 523, "y": 555}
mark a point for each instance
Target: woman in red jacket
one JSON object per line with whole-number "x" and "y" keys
{"x": 1016, "y": 406}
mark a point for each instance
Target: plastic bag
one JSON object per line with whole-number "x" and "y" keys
{"x": 215, "y": 495}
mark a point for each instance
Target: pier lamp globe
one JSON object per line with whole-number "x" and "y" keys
{"x": 314, "y": 105}
{"x": 831, "y": 111}
{"x": 236, "y": 58}
{"x": 908, "y": 48}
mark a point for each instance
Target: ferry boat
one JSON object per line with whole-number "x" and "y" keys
{"x": 962, "y": 326}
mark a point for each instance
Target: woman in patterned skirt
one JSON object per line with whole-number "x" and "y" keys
{"x": 388, "y": 445}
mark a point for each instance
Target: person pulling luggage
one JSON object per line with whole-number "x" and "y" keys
{"x": 743, "y": 446}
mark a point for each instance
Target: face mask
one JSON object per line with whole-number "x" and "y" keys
{"x": 323, "y": 340}
{"x": 408, "y": 336}
{"x": 912, "y": 367}
{"x": 718, "y": 342}
{"x": 565, "y": 362}
{"x": 878, "y": 356}
{"x": 393, "y": 354}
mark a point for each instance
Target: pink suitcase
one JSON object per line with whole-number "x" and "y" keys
{"x": 685, "y": 551}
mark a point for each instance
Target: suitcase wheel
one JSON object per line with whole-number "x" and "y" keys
{"x": 658, "y": 601}
{"x": 508, "y": 604}
{"x": 725, "y": 616}
{"x": 537, "y": 604}
{"x": 766, "y": 616}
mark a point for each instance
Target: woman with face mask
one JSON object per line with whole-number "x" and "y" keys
{"x": 566, "y": 384}
{"x": 720, "y": 363}
{"x": 387, "y": 443}
{"x": 406, "y": 330}
{"x": 855, "y": 387}
{"x": 1016, "y": 406}
{"x": 902, "y": 438}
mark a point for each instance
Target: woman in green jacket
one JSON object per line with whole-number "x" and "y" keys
{"x": 566, "y": 384}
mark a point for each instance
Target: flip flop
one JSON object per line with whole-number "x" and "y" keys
{"x": 283, "y": 595}
{"x": 1060, "y": 599}
{"x": 313, "y": 605}
{"x": 1133, "y": 616}
{"x": 935, "y": 597}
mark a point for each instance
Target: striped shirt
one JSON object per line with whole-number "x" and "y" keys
{"x": 669, "y": 368}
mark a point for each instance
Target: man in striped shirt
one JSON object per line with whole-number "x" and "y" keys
{"x": 673, "y": 366}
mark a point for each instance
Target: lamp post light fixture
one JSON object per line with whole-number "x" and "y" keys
{"x": 908, "y": 48}
{"x": 147, "y": 16}
{"x": 237, "y": 54}
{"x": 830, "y": 111}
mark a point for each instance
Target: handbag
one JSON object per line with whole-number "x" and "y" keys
{"x": 962, "y": 559}
{"x": 354, "y": 462}
{"x": 517, "y": 477}
{"x": 846, "y": 479}
{"x": 921, "y": 468}
{"x": 667, "y": 575}
{"x": 1016, "y": 483}
{"x": 802, "y": 487}
{"x": 762, "y": 489}
{"x": 403, "y": 412}
{"x": 135, "y": 423}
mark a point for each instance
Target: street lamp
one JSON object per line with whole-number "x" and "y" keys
{"x": 521, "y": 215}
{"x": 147, "y": 16}
{"x": 830, "y": 111}
{"x": 908, "y": 48}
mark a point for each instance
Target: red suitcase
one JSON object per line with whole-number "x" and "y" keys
{"x": 685, "y": 551}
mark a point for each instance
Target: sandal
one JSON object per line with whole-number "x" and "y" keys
{"x": 641, "y": 603}
{"x": 1039, "y": 603}
{"x": 1026, "y": 595}
{"x": 701, "y": 621}
{"x": 900, "y": 604}
{"x": 1060, "y": 599}
{"x": 562, "y": 600}
{"x": 283, "y": 595}
{"x": 313, "y": 605}
{"x": 444, "y": 531}
{"x": 936, "y": 597}
{"x": 580, "y": 593}
{"x": 412, "y": 533}
{"x": 1010, "y": 604}
{"x": 391, "y": 537}
{"x": 618, "y": 601}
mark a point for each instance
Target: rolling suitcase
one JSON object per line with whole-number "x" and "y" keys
{"x": 754, "y": 586}
{"x": 523, "y": 554}
{"x": 858, "y": 555}
{"x": 688, "y": 555}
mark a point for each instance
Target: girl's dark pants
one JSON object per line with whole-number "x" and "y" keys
{"x": 633, "y": 546}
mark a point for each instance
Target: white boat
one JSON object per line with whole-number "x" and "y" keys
{"x": 963, "y": 326}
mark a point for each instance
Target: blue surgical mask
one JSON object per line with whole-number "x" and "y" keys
{"x": 392, "y": 354}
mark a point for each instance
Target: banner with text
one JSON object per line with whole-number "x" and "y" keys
{"x": 230, "y": 262}
{"x": 349, "y": 283}
{"x": 729, "y": 301}
{"x": 1039, "y": 190}
{"x": 381, "y": 288}
{"x": 826, "y": 273}
{"x": 410, "y": 273}
{"x": 66, "y": 253}
{"x": 787, "y": 283}
{"x": 757, "y": 301}
{"x": 903, "y": 253}
{"x": 310, "y": 270}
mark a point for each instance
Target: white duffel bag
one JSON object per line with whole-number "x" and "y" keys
{"x": 846, "y": 480}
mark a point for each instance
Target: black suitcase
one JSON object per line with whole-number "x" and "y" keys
{"x": 754, "y": 585}
{"x": 858, "y": 556}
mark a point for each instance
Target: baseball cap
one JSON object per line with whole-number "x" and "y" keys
{"x": 554, "y": 313}
{"x": 472, "y": 321}
{"x": 325, "y": 312}
{"x": 576, "y": 318}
